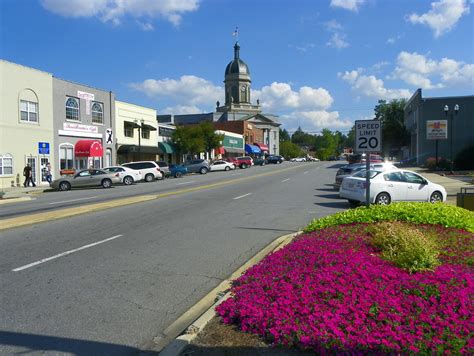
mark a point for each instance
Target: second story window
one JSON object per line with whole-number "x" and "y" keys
{"x": 29, "y": 111}
{"x": 145, "y": 133}
{"x": 97, "y": 113}
{"x": 128, "y": 129}
{"x": 72, "y": 109}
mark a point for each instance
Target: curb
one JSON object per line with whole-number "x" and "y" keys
{"x": 14, "y": 200}
{"x": 169, "y": 345}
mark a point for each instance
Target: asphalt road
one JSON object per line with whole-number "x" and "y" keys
{"x": 111, "y": 281}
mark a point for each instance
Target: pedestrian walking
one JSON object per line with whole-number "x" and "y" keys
{"x": 28, "y": 174}
{"x": 49, "y": 175}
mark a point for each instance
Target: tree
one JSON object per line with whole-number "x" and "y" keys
{"x": 211, "y": 139}
{"x": 284, "y": 135}
{"x": 302, "y": 139}
{"x": 289, "y": 150}
{"x": 394, "y": 133}
{"x": 188, "y": 139}
{"x": 327, "y": 144}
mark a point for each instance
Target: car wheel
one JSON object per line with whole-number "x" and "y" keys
{"x": 203, "y": 170}
{"x": 63, "y": 186}
{"x": 263, "y": 163}
{"x": 278, "y": 162}
{"x": 353, "y": 203}
{"x": 149, "y": 177}
{"x": 436, "y": 197}
{"x": 178, "y": 175}
{"x": 243, "y": 166}
{"x": 383, "y": 199}
{"x": 127, "y": 180}
{"x": 106, "y": 183}
{"x": 227, "y": 168}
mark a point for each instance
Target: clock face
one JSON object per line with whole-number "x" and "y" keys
{"x": 243, "y": 88}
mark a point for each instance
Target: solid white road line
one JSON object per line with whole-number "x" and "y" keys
{"x": 63, "y": 254}
{"x": 242, "y": 196}
{"x": 189, "y": 182}
{"x": 285, "y": 180}
{"x": 69, "y": 201}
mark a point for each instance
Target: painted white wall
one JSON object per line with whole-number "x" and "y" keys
{"x": 130, "y": 112}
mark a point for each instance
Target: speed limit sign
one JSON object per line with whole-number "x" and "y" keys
{"x": 368, "y": 136}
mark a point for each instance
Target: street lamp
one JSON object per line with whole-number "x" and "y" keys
{"x": 139, "y": 127}
{"x": 446, "y": 111}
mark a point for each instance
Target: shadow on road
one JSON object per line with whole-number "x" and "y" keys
{"x": 334, "y": 195}
{"x": 325, "y": 189}
{"x": 263, "y": 228}
{"x": 335, "y": 205}
{"x": 48, "y": 344}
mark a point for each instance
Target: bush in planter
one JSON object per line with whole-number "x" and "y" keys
{"x": 465, "y": 158}
{"x": 443, "y": 163}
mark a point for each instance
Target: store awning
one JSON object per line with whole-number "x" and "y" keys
{"x": 124, "y": 149}
{"x": 252, "y": 149}
{"x": 88, "y": 148}
{"x": 234, "y": 150}
{"x": 149, "y": 127}
{"x": 219, "y": 151}
{"x": 166, "y": 147}
{"x": 263, "y": 148}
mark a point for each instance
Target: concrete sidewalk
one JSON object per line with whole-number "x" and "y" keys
{"x": 14, "y": 194}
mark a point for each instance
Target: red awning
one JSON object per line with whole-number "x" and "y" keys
{"x": 262, "y": 146}
{"x": 219, "y": 151}
{"x": 88, "y": 148}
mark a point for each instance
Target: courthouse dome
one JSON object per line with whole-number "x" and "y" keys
{"x": 237, "y": 66}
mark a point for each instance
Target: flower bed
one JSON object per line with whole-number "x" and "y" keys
{"x": 330, "y": 290}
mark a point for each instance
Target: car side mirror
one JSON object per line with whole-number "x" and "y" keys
{"x": 425, "y": 182}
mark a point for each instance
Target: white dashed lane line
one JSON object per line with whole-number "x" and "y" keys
{"x": 242, "y": 196}
{"x": 285, "y": 180}
{"x": 70, "y": 201}
{"x": 63, "y": 254}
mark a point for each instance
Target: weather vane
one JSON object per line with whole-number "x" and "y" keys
{"x": 236, "y": 33}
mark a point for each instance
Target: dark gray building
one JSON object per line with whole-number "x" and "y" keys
{"x": 452, "y": 116}
{"x": 83, "y": 126}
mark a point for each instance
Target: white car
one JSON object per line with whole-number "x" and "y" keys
{"x": 298, "y": 159}
{"x": 150, "y": 170}
{"x": 391, "y": 186}
{"x": 221, "y": 166}
{"x": 127, "y": 176}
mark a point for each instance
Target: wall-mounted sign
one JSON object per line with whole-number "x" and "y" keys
{"x": 165, "y": 131}
{"x": 43, "y": 148}
{"x": 70, "y": 126}
{"x": 109, "y": 138}
{"x": 437, "y": 130}
{"x": 85, "y": 96}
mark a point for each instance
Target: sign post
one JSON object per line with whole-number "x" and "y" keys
{"x": 437, "y": 130}
{"x": 368, "y": 139}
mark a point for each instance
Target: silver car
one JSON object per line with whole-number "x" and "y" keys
{"x": 86, "y": 178}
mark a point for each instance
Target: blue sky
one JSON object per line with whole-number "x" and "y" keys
{"x": 316, "y": 64}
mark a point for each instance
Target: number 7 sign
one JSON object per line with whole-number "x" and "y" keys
{"x": 368, "y": 137}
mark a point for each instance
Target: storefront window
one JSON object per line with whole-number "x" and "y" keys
{"x": 66, "y": 154}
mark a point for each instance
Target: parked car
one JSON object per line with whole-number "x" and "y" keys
{"x": 177, "y": 170}
{"x": 86, "y": 178}
{"x": 232, "y": 160}
{"x": 197, "y": 166}
{"x": 312, "y": 159}
{"x": 164, "y": 168}
{"x": 361, "y": 157}
{"x": 260, "y": 161}
{"x": 391, "y": 186}
{"x": 244, "y": 162}
{"x": 221, "y": 165}
{"x": 127, "y": 175}
{"x": 298, "y": 159}
{"x": 350, "y": 169}
{"x": 275, "y": 159}
{"x": 149, "y": 170}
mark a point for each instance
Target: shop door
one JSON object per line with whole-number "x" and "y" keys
{"x": 43, "y": 162}
{"x": 32, "y": 162}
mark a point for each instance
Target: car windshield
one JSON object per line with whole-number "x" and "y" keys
{"x": 361, "y": 174}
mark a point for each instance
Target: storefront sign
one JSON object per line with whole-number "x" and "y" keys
{"x": 109, "y": 138}
{"x": 233, "y": 142}
{"x": 88, "y": 97}
{"x": 70, "y": 126}
{"x": 43, "y": 148}
{"x": 437, "y": 130}
{"x": 165, "y": 131}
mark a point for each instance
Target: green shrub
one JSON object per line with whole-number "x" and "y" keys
{"x": 405, "y": 246}
{"x": 464, "y": 159}
{"x": 443, "y": 163}
{"x": 418, "y": 213}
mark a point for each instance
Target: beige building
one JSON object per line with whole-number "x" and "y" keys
{"x": 136, "y": 133}
{"x": 26, "y": 123}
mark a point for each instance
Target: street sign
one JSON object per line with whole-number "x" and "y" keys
{"x": 109, "y": 138}
{"x": 368, "y": 136}
{"x": 43, "y": 148}
{"x": 436, "y": 129}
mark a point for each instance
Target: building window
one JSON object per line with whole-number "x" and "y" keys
{"x": 6, "y": 165}
{"x": 108, "y": 157}
{"x": 66, "y": 154}
{"x": 97, "y": 113}
{"x": 29, "y": 111}
{"x": 72, "y": 109}
{"x": 128, "y": 129}
{"x": 145, "y": 133}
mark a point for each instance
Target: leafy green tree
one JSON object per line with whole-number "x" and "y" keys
{"x": 302, "y": 139}
{"x": 284, "y": 135}
{"x": 211, "y": 139}
{"x": 326, "y": 144}
{"x": 394, "y": 133}
{"x": 188, "y": 139}
{"x": 290, "y": 150}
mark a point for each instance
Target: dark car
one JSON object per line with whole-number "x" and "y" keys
{"x": 177, "y": 170}
{"x": 260, "y": 161}
{"x": 164, "y": 168}
{"x": 197, "y": 166}
{"x": 275, "y": 159}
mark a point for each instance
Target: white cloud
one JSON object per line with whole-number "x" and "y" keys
{"x": 418, "y": 70}
{"x": 114, "y": 10}
{"x": 369, "y": 85}
{"x": 180, "y": 110}
{"x": 338, "y": 41}
{"x": 315, "y": 121}
{"x": 280, "y": 96}
{"x": 188, "y": 89}
{"x": 351, "y": 5}
{"x": 443, "y": 15}
{"x": 145, "y": 26}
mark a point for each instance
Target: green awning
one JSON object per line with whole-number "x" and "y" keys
{"x": 165, "y": 147}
